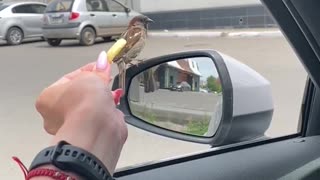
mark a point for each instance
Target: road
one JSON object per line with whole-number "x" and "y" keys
{"x": 27, "y": 69}
{"x": 181, "y": 100}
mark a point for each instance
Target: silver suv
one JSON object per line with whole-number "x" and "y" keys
{"x": 85, "y": 20}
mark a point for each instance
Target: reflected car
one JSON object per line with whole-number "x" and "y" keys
{"x": 20, "y": 21}
{"x": 183, "y": 86}
{"x": 203, "y": 90}
{"x": 85, "y": 20}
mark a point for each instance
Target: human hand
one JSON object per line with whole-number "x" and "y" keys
{"x": 80, "y": 109}
{"x": 53, "y": 119}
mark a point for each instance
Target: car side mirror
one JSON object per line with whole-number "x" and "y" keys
{"x": 198, "y": 96}
{"x": 128, "y": 10}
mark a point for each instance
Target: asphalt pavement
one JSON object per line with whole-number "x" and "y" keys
{"x": 26, "y": 69}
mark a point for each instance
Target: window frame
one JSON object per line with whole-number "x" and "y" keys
{"x": 121, "y": 5}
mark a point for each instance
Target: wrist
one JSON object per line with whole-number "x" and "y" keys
{"x": 91, "y": 135}
{"x": 55, "y": 168}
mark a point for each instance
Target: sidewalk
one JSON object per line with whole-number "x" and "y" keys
{"x": 230, "y": 33}
{"x": 172, "y": 114}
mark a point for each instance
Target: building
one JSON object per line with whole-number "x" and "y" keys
{"x": 205, "y": 14}
{"x": 176, "y": 72}
{"x": 200, "y": 14}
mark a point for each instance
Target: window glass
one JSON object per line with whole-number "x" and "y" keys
{"x": 243, "y": 30}
{"x": 38, "y": 9}
{"x": 115, "y": 7}
{"x": 23, "y": 9}
{"x": 96, "y": 5}
{"x": 60, "y": 6}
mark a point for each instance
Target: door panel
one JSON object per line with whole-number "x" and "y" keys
{"x": 268, "y": 161}
{"x": 29, "y": 20}
{"x": 37, "y": 14}
{"x": 120, "y": 19}
{"x": 99, "y": 16}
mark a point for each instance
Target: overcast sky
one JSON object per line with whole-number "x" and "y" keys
{"x": 206, "y": 67}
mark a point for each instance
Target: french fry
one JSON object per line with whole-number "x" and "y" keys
{"x": 115, "y": 49}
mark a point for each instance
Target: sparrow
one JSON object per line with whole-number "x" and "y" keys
{"x": 135, "y": 35}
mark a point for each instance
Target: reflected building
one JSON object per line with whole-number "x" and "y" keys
{"x": 185, "y": 72}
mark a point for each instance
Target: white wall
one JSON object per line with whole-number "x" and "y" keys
{"x": 171, "y": 5}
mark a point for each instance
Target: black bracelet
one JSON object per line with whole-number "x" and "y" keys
{"x": 70, "y": 158}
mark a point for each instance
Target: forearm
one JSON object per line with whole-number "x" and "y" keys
{"x": 90, "y": 135}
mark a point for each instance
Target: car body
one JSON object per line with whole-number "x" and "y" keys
{"x": 85, "y": 20}
{"x": 182, "y": 86}
{"x": 203, "y": 90}
{"x": 294, "y": 156}
{"x": 20, "y": 21}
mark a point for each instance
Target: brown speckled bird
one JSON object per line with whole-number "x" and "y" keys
{"x": 135, "y": 36}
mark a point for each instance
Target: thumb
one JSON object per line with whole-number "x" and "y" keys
{"x": 102, "y": 67}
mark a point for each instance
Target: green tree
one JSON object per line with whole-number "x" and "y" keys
{"x": 213, "y": 84}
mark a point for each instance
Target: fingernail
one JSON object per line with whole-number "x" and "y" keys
{"x": 102, "y": 62}
{"x": 117, "y": 96}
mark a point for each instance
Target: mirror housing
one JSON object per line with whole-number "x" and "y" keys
{"x": 238, "y": 123}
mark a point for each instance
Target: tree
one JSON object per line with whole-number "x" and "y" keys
{"x": 213, "y": 84}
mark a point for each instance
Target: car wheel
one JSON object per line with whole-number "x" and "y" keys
{"x": 107, "y": 39}
{"x": 14, "y": 36}
{"x": 88, "y": 36}
{"x": 54, "y": 42}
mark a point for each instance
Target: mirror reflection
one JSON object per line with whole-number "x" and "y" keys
{"x": 183, "y": 96}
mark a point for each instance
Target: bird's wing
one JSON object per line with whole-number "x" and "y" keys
{"x": 132, "y": 36}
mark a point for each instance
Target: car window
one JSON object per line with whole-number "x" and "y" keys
{"x": 3, "y": 6}
{"x": 27, "y": 9}
{"x": 59, "y": 6}
{"x": 38, "y": 9}
{"x": 96, "y": 5}
{"x": 115, "y": 7}
{"x": 243, "y": 30}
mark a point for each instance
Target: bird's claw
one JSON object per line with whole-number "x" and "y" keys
{"x": 136, "y": 62}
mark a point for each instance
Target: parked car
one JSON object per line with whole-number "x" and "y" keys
{"x": 203, "y": 90}
{"x": 85, "y": 20}
{"x": 19, "y": 21}
{"x": 183, "y": 86}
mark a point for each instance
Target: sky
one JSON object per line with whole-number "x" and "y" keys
{"x": 206, "y": 67}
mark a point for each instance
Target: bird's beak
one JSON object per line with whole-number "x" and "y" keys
{"x": 150, "y": 20}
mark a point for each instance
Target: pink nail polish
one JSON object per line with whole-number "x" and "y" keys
{"x": 102, "y": 61}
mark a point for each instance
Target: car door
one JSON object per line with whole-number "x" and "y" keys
{"x": 99, "y": 16}
{"x": 29, "y": 19}
{"x": 295, "y": 156}
{"x": 120, "y": 18}
{"x": 38, "y": 11}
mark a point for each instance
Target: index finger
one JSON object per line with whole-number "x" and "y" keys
{"x": 66, "y": 78}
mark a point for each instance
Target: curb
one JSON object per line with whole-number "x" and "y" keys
{"x": 181, "y": 117}
{"x": 276, "y": 33}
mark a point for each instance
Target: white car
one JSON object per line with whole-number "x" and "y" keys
{"x": 203, "y": 90}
